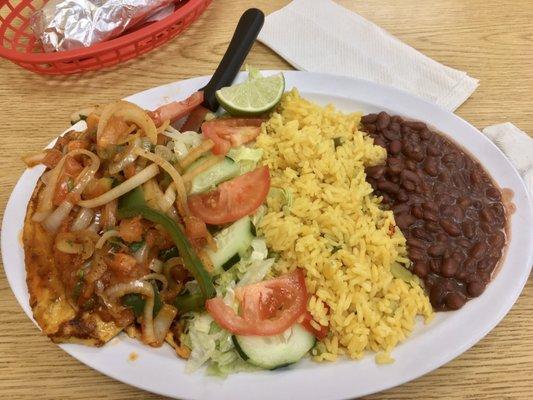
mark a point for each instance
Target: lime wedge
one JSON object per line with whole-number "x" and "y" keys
{"x": 252, "y": 97}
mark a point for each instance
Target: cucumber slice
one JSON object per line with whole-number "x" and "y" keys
{"x": 231, "y": 262}
{"x": 224, "y": 170}
{"x": 271, "y": 352}
{"x": 231, "y": 242}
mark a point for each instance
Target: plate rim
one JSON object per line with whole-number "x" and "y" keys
{"x": 174, "y": 87}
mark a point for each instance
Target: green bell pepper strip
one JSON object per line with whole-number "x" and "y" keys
{"x": 136, "y": 302}
{"x": 136, "y": 246}
{"x": 189, "y": 302}
{"x": 133, "y": 204}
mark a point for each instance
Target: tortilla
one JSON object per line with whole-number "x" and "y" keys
{"x": 59, "y": 318}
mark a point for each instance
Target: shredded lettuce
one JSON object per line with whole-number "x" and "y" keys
{"x": 259, "y": 249}
{"x": 257, "y": 217}
{"x": 209, "y": 343}
{"x": 285, "y": 197}
{"x": 246, "y": 157}
{"x": 183, "y": 141}
{"x": 257, "y": 271}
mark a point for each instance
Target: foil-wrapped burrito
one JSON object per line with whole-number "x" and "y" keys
{"x": 72, "y": 24}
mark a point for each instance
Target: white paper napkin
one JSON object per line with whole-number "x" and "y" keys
{"x": 517, "y": 146}
{"x": 321, "y": 36}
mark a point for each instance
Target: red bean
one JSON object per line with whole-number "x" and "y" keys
{"x": 496, "y": 240}
{"x": 431, "y": 206}
{"x": 402, "y": 196}
{"x": 395, "y": 126}
{"x": 417, "y": 211}
{"x": 493, "y": 193}
{"x": 370, "y": 128}
{"x": 464, "y": 202}
{"x": 486, "y": 215}
{"x": 383, "y": 120}
{"x": 434, "y": 150}
{"x": 450, "y": 227}
{"x": 380, "y": 142}
{"x": 416, "y": 125}
{"x": 401, "y": 208}
{"x": 388, "y": 186}
{"x": 395, "y": 165}
{"x": 477, "y": 250}
{"x": 432, "y": 226}
{"x": 416, "y": 154}
{"x": 497, "y": 210}
{"x": 455, "y": 300}
{"x": 461, "y": 275}
{"x": 442, "y": 237}
{"x": 410, "y": 175}
{"x": 406, "y": 130}
{"x": 436, "y": 295}
{"x": 431, "y": 166}
{"x": 469, "y": 229}
{"x": 475, "y": 288}
{"x": 390, "y": 134}
{"x": 478, "y": 205}
{"x": 395, "y": 147}
{"x": 434, "y": 264}
{"x": 487, "y": 264}
{"x": 463, "y": 242}
{"x": 475, "y": 177}
{"x": 449, "y": 267}
{"x": 437, "y": 249}
{"x": 444, "y": 176}
{"x": 376, "y": 172}
{"x": 425, "y": 134}
{"x": 422, "y": 234}
{"x": 412, "y": 242}
{"x": 431, "y": 216}
{"x": 396, "y": 119}
{"x": 449, "y": 159}
{"x": 421, "y": 269}
{"x": 458, "y": 180}
{"x": 411, "y": 165}
{"x": 486, "y": 226}
{"x": 409, "y": 186}
{"x": 416, "y": 254}
{"x": 404, "y": 220}
{"x": 369, "y": 118}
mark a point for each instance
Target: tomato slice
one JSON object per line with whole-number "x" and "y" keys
{"x": 233, "y": 199}
{"x": 321, "y": 333}
{"x": 177, "y": 109}
{"x": 268, "y": 308}
{"x": 231, "y": 132}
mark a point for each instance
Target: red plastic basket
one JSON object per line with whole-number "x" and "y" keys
{"x": 19, "y": 45}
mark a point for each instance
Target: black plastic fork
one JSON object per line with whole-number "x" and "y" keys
{"x": 246, "y": 32}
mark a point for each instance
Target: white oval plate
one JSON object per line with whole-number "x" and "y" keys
{"x": 429, "y": 347}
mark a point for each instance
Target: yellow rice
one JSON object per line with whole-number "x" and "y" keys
{"x": 336, "y": 230}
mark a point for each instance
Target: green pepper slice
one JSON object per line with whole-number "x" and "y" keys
{"x": 133, "y": 204}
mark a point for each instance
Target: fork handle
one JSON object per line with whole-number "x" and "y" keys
{"x": 246, "y": 32}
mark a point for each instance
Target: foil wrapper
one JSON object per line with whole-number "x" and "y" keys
{"x": 72, "y": 24}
